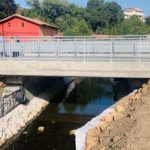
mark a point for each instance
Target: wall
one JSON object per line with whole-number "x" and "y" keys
{"x": 48, "y": 31}
{"x": 1, "y": 30}
{"x": 16, "y": 28}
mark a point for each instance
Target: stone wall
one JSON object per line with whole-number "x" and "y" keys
{"x": 7, "y": 104}
{"x": 12, "y": 124}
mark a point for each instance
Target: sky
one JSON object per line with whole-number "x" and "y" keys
{"x": 143, "y": 4}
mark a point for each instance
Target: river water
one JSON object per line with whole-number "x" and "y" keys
{"x": 89, "y": 98}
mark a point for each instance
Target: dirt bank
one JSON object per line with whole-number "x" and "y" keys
{"x": 127, "y": 128}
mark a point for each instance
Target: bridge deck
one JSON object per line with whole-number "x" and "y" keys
{"x": 76, "y": 56}
{"x": 76, "y": 68}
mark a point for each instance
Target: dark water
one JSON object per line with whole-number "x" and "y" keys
{"x": 90, "y": 97}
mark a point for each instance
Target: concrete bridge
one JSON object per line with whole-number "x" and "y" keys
{"x": 124, "y": 56}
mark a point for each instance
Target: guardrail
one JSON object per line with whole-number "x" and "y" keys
{"x": 118, "y": 48}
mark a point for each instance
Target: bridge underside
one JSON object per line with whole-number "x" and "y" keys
{"x": 72, "y": 68}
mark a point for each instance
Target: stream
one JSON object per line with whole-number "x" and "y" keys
{"x": 88, "y": 98}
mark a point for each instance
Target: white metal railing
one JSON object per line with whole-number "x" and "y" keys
{"x": 70, "y": 48}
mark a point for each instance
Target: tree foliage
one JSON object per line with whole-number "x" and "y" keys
{"x": 80, "y": 28}
{"x": 101, "y": 14}
{"x": 7, "y": 8}
{"x": 148, "y": 21}
{"x": 132, "y": 26}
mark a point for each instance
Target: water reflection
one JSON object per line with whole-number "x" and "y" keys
{"x": 91, "y": 96}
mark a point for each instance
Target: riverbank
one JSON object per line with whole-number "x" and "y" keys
{"x": 126, "y": 127}
{"x": 14, "y": 122}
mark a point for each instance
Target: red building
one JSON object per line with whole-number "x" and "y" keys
{"x": 17, "y": 25}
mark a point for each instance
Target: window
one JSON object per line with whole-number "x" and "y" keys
{"x": 9, "y": 24}
{"x": 22, "y": 24}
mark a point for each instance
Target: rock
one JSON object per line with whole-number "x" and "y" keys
{"x": 107, "y": 118}
{"x": 143, "y": 85}
{"x": 2, "y": 141}
{"x": 140, "y": 90}
{"x": 103, "y": 126}
{"x": 103, "y": 148}
{"x": 3, "y": 94}
{"x": 119, "y": 109}
{"x": 72, "y": 132}
{"x": 2, "y": 85}
{"x": 92, "y": 133}
{"x": 41, "y": 129}
{"x": 117, "y": 116}
{"x": 145, "y": 89}
{"x": 136, "y": 97}
{"x": 25, "y": 133}
{"x": 113, "y": 116}
{"x": 148, "y": 82}
{"x": 91, "y": 143}
{"x": 117, "y": 138}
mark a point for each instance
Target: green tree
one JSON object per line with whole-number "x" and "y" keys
{"x": 80, "y": 28}
{"x": 132, "y": 26}
{"x": 7, "y": 8}
{"x": 101, "y": 14}
{"x": 94, "y": 4}
{"x": 148, "y": 21}
{"x": 114, "y": 14}
{"x": 65, "y": 22}
{"x": 53, "y": 9}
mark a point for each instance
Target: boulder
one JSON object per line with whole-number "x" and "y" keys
{"x": 145, "y": 89}
{"x": 107, "y": 118}
{"x": 103, "y": 126}
{"x": 91, "y": 143}
{"x": 136, "y": 97}
{"x": 41, "y": 129}
{"x": 119, "y": 109}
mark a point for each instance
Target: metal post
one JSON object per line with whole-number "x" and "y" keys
{"x": 93, "y": 51}
{"x": 112, "y": 49}
{"x": 134, "y": 51}
{"x": 140, "y": 47}
{"x": 58, "y": 49}
{"x": 21, "y": 49}
{"x": 39, "y": 48}
{"x": 84, "y": 49}
{"x": 34, "y": 50}
{"x": 3, "y": 42}
{"x": 75, "y": 50}
{"x": 10, "y": 51}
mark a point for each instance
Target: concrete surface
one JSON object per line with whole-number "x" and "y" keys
{"x": 83, "y": 68}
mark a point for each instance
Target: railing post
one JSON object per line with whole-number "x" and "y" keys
{"x": 34, "y": 50}
{"x": 134, "y": 51}
{"x": 84, "y": 49}
{"x": 10, "y": 51}
{"x": 39, "y": 43}
{"x": 112, "y": 49}
{"x": 75, "y": 50}
{"x": 3, "y": 43}
{"x": 58, "y": 49}
{"x": 140, "y": 47}
{"x": 21, "y": 42}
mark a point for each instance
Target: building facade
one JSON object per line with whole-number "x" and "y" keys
{"x": 128, "y": 12}
{"x": 17, "y": 25}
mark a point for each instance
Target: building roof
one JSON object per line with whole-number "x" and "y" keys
{"x": 28, "y": 19}
{"x": 135, "y": 9}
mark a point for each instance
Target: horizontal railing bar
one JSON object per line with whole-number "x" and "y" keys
{"x": 75, "y": 48}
